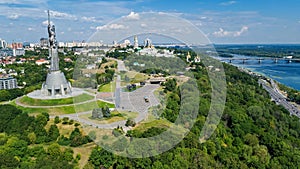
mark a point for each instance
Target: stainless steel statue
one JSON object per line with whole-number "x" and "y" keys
{"x": 56, "y": 83}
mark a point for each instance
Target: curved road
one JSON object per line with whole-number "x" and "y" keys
{"x": 130, "y": 101}
{"x": 124, "y": 101}
{"x": 279, "y": 98}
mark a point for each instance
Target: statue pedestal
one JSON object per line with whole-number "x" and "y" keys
{"x": 56, "y": 84}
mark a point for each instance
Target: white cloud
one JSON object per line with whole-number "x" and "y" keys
{"x": 224, "y": 33}
{"x": 62, "y": 15}
{"x": 133, "y": 16}
{"x": 89, "y": 19}
{"x": 228, "y": 3}
{"x": 31, "y": 29}
{"x": 13, "y": 16}
{"x": 243, "y": 30}
{"x": 111, "y": 27}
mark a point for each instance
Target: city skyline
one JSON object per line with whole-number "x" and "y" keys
{"x": 222, "y": 21}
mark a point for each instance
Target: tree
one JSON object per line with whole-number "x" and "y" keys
{"x": 130, "y": 122}
{"x": 53, "y": 133}
{"x": 4, "y": 95}
{"x": 100, "y": 157}
{"x": 32, "y": 137}
{"x": 20, "y": 124}
{"x": 56, "y": 120}
{"x": 8, "y": 113}
{"x": 77, "y": 138}
{"x": 157, "y": 165}
{"x": 46, "y": 115}
{"x": 251, "y": 140}
{"x": 68, "y": 154}
{"x": 54, "y": 150}
{"x": 41, "y": 120}
{"x": 170, "y": 84}
{"x": 262, "y": 153}
{"x": 106, "y": 112}
{"x": 97, "y": 113}
{"x": 7, "y": 160}
{"x": 65, "y": 120}
{"x": 76, "y": 132}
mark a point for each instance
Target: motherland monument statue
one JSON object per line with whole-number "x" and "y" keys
{"x": 56, "y": 83}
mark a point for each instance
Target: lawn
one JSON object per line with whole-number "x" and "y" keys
{"x": 91, "y": 105}
{"x": 115, "y": 116}
{"x": 110, "y": 87}
{"x": 139, "y": 77}
{"x": 86, "y": 106}
{"x": 65, "y": 109}
{"x": 52, "y": 111}
{"x": 53, "y": 102}
{"x": 161, "y": 123}
{"x": 103, "y": 104}
{"x": 82, "y": 98}
{"x": 135, "y": 77}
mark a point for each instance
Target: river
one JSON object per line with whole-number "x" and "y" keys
{"x": 283, "y": 72}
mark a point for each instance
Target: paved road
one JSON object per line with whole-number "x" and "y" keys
{"x": 130, "y": 101}
{"x": 276, "y": 88}
{"x": 76, "y": 117}
{"x": 118, "y": 92}
{"x": 125, "y": 101}
{"x": 121, "y": 65}
{"x": 134, "y": 101}
{"x": 279, "y": 98}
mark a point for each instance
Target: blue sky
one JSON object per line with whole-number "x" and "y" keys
{"x": 223, "y": 21}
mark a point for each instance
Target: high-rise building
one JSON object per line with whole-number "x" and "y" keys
{"x": 18, "y": 49}
{"x": 7, "y": 82}
{"x": 44, "y": 42}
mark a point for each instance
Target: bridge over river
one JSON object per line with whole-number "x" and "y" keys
{"x": 260, "y": 59}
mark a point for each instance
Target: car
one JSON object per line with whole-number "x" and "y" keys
{"x": 146, "y": 99}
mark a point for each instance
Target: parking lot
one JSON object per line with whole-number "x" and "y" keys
{"x": 134, "y": 101}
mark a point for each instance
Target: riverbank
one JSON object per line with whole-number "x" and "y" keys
{"x": 277, "y": 95}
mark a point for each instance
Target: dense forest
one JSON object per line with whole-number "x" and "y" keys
{"x": 25, "y": 142}
{"x": 254, "y": 133}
